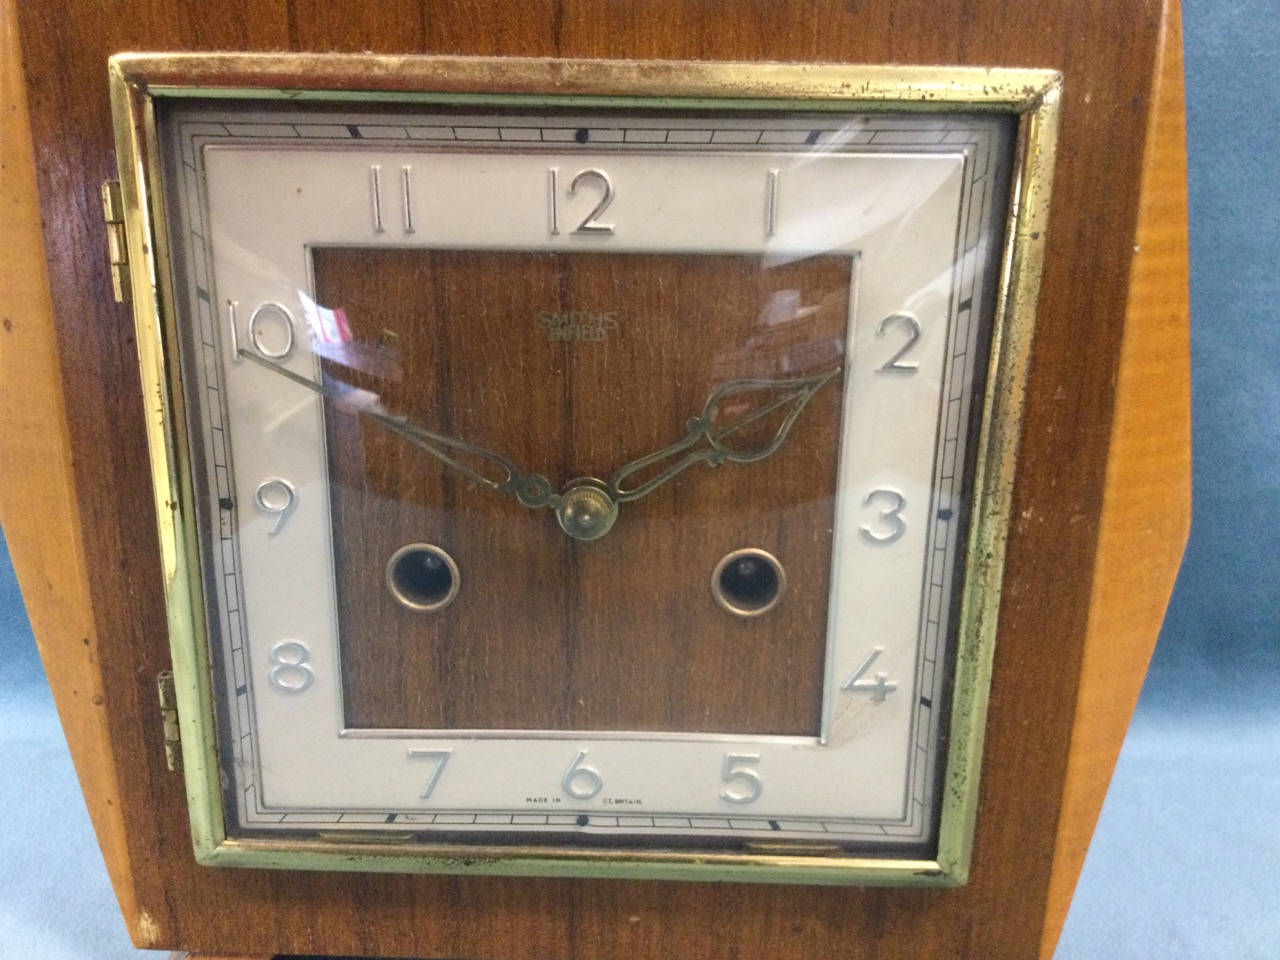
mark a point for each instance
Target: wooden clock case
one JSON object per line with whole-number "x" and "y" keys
{"x": 1101, "y": 496}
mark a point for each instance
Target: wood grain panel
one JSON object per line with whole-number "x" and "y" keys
{"x": 1147, "y": 510}
{"x": 389, "y": 26}
{"x": 38, "y": 509}
{"x": 1106, "y": 53}
{"x": 573, "y": 366}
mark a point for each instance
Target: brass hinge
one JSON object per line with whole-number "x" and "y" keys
{"x": 169, "y": 714}
{"x": 117, "y": 245}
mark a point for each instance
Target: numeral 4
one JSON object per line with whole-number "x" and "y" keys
{"x": 879, "y": 687}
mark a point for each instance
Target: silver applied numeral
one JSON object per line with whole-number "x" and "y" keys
{"x": 589, "y": 225}
{"x": 406, "y": 197}
{"x": 441, "y": 757}
{"x": 580, "y": 781}
{"x": 891, "y": 524}
{"x": 277, "y": 498}
{"x": 235, "y": 332}
{"x": 291, "y": 671}
{"x": 375, "y": 190}
{"x": 737, "y": 770}
{"x": 283, "y": 319}
{"x": 878, "y": 687}
{"x": 896, "y": 364}
{"x": 771, "y": 203}
{"x": 553, "y": 200}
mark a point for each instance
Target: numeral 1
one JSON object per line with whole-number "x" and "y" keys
{"x": 375, "y": 187}
{"x": 771, "y": 203}
{"x": 553, "y": 200}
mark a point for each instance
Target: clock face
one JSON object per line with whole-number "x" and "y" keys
{"x": 582, "y": 480}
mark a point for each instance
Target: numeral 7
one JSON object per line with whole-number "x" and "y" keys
{"x": 441, "y": 757}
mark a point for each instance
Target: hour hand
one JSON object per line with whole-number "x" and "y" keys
{"x": 706, "y": 443}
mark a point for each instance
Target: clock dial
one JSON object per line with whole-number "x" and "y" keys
{"x": 593, "y": 480}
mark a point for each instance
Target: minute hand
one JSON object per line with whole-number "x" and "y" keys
{"x": 531, "y": 489}
{"x": 800, "y": 391}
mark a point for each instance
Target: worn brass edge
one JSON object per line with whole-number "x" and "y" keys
{"x": 996, "y": 469}
{"x": 655, "y": 83}
{"x": 137, "y": 157}
{"x": 569, "y": 862}
{"x": 136, "y": 80}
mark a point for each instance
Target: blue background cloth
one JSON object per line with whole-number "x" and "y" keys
{"x": 1183, "y": 862}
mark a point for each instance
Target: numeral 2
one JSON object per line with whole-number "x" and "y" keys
{"x": 896, "y": 364}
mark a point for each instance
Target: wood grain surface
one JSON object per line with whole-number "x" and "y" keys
{"x": 43, "y": 525}
{"x": 1106, "y": 52}
{"x": 548, "y": 632}
{"x": 1147, "y": 510}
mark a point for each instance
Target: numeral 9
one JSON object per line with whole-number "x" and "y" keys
{"x": 277, "y": 498}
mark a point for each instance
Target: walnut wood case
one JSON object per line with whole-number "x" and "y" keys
{"x": 1098, "y": 486}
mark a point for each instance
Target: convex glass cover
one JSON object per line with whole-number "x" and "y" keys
{"x": 586, "y": 486}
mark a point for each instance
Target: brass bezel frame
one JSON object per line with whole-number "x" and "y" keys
{"x": 137, "y": 80}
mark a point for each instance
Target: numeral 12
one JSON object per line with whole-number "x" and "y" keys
{"x": 591, "y": 223}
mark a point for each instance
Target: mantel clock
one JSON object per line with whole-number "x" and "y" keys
{"x": 585, "y": 478}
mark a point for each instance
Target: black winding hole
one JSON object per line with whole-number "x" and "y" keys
{"x": 748, "y": 582}
{"x": 422, "y": 577}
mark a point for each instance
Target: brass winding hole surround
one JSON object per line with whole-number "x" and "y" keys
{"x": 422, "y": 577}
{"x": 748, "y": 582}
